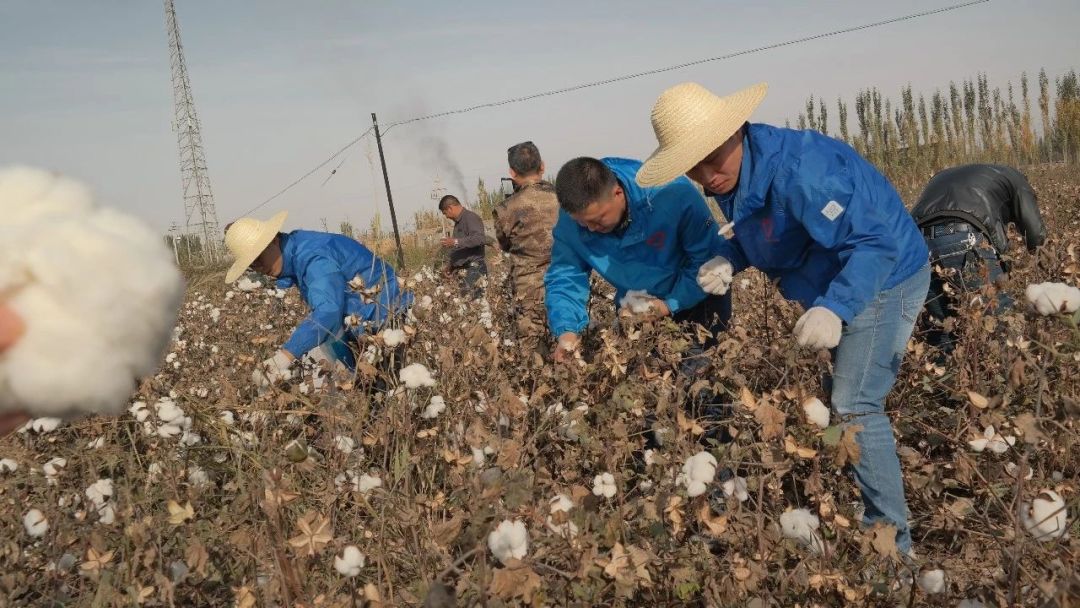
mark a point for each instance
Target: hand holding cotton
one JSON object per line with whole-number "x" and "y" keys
{"x": 819, "y": 328}
{"x": 96, "y": 289}
{"x": 715, "y": 276}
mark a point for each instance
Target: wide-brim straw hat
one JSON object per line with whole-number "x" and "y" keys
{"x": 690, "y": 122}
{"x": 246, "y": 238}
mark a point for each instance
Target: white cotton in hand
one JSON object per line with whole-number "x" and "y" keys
{"x": 637, "y": 301}
{"x": 96, "y": 289}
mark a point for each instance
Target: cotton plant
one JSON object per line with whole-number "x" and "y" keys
{"x": 735, "y": 486}
{"x": 558, "y": 520}
{"x": 697, "y": 473}
{"x": 393, "y": 338}
{"x": 1045, "y": 516}
{"x": 415, "y": 375}
{"x": 816, "y": 412}
{"x": 510, "y": 540}
{"x": 436, "y": 405}
{"x": 52, "y": 469}
{"x": 41, "y": 426}
{"x": 932, "y": 582}
{"x": 604, "y": 485}
{"x": 7, "y": 465}
{"x": 86, "y": 340}
{"x": 350, "y": 562}
{"x": 1053, "y": 298}
{"x": 35, "y": 523}
{"x": 100, "y": 494}
{"x": 993, "y": 441}
{"x": 801, "y": 525}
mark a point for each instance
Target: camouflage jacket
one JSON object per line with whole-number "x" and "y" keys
{"x": 523, "y": 224}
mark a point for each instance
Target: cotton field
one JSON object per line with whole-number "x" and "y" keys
{"x": 455, "y": 470}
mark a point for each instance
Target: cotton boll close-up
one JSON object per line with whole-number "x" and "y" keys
{"x": 416, "y": 375}
{"x": 932, "y": 581}
{"x": 97, "y": 291}
{"x": 435, "y": 407}
{"x": 8, "y": 465}
{"x": 510, "y": 540}
{"x": 35, "y": 523}
{"x": 392, "y": 338}
{"x": 816, "y": 412}
{"x": 801, "y": 525}
{"x": 697, "y": 473}
{"x": 604, "y": 485}
{"x": 1045, "y": 517}
{"x": 637, "y": 301}
{"x": 1053, "y": 298}
{"x": 350, "y": 562}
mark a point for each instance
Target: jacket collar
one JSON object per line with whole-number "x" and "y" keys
{"x": 288, "y": 252}
{"x": 762, "y": 146}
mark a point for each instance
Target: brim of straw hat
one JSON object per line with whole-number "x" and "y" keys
{"x": 267, "y": 231}
{"x": 723, "y": 116}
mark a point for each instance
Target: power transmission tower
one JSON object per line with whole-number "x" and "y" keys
{"x": 199, "y": 213}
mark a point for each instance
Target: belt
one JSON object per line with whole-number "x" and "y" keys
{"x": 944, "y": 229}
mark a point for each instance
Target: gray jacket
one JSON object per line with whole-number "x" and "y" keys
{"x": 469, "y": 232}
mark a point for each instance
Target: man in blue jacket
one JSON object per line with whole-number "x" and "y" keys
{"x": 812, "y": 214}
{"x": 348, "y": 288}
{"x": 647, "y": 242}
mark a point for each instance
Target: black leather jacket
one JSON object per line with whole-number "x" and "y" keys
{"x": 988, "y": 197}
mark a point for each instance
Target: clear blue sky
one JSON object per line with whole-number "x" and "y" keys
{"x": 281, "y": 85}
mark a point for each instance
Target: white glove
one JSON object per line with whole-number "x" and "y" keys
{"x": 715, "y": 275}
{"x": 819, "y": 328}
{"x": 273, "y": 370}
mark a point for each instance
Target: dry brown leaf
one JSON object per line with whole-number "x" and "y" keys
{"x": 715, "y": 524}
{"x": 771, "y": 420}
{"x": 315, "y": 533}
{"x": 513, "y": 581}
{"x": 978, "y": 400}
{"x": 673, "y": 510}
{"x": 791, "y": 447}
{"x": 509, "y": 454}
{"x": 847, "y": 451}
{"x": 884, "y": 540}
{"x": 196, "y": 557}
{"x": 747, "y": 398}
{"x": 243, "y": 597}
{"x": 179, "y": 514}
{"x": 688, "y": 425}
{"x": 95, "y": 561}
{"x": 447, "y": 532}
{"x": 1029, "y": 428}
{"x": 140, "y": 594}
{"x": 372, "y": 596}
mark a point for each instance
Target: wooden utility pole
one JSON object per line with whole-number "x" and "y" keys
{"x": 389, "y": 196}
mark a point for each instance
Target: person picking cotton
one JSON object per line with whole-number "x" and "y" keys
{"x": 347, "y": 287}
{"x": 89, "y": 298}
{"x": 815, "y": 216}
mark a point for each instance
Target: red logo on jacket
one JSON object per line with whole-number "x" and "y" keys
{"x": 656, "y": 240}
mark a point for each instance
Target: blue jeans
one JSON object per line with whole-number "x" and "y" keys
{"x": 969, "y": 262}
{"x": 865, "y": 365}
{"x": 472, "y": 272}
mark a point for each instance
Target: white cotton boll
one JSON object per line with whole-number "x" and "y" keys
{"x": 215, "y": 315}
{"x": 106, "y": 514}
{"x": 510, "y": 540}
{"x": 168, "y": 411}
{"x": 197, "y": 477}
{"x": 347, "y": 480}
{"x": 932, "y": 581}
{"x": 100, "y": 491}
{"x": 280, "y": 294}
{"x": 393, "y": 337}
{"x": 800, "y": 525}
{"x": 52, "y": 469}
{"x": 139, "y": 411}
{"x": 8, "y": 465}
{"x": 435, "y": 407}
{"x": 229, "y": 295}
{"x": 816, "y": 412}
{"x": 736, "y": 486}
{"x": 561, "y": 503}
{"x": 697, "y": 473}
{"x": 35, "y": 523}
{"x": 478, "y": 457}
{"x": 44, "y": 425}
{"x": 86, "y": 281}
{"x": 991, "y": 440}
{"x": 349, "y": 563}
{"x": 344, "y": 444}
{"x": 1053, "y": 298}
{"x": 246, "y": 284}
{"x": 367, "y": 483}
{"x": 426, "y": 302}
{"x": 1045, "y": 516}
{"x": 96, "y": 443}
{"x": 171, "y": 357}
{"x": 416, "y": 375}
{"x": 637, "y": 300}
{"x": 189, "y": 439}
{"x": 604, "y": 485}
{"x": 166, "y": 431}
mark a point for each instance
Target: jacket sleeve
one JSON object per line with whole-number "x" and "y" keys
{"x": 502, "y": 233}
{"x": 842, "y": 218}
{"x": 566, "y": 288}
{"x": 1026, "y": 211}
{"x": 326, "y": 286}
{"x": 473, "y": 227}
{"x": 699, "y": 238}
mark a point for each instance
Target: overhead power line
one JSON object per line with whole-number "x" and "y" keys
{"x": 671, "y": 68}
{"x": 615, "y": 79}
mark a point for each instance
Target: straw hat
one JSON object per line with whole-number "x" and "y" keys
{"x": 247, "y": 238}
{"x": 690, "y": 122}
